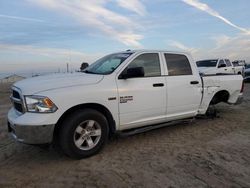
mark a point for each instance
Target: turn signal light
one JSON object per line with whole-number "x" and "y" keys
{"x": 48, "y": 102}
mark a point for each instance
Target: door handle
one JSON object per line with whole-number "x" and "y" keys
{"x": 194, "y": 82}
{"x": 158, "y": 85}
{"x": 225, "y": 69}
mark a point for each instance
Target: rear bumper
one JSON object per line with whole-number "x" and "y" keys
{"x": 239, "y": 100}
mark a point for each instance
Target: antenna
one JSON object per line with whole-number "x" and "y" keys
{"x": 67, "y": 67}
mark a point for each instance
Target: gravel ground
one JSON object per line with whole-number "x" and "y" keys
{"x": 204, "y": 153}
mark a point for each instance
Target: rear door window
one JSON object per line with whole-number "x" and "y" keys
{"x": 228, "y": 63}
{"x": 177, "y": 64}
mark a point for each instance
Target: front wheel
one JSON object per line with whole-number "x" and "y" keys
{"x": 83, "y": 133}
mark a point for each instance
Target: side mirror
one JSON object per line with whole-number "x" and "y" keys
{"x": 84, "y": 65}
{"x": 222, "y": 65}
{"x": 134, "y": 72}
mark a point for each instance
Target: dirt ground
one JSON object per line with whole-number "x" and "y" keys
{"x": 205, "y": 153}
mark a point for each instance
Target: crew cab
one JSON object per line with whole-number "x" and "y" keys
{"x": 120, "y": 92}
{"x": 218, "y": 66}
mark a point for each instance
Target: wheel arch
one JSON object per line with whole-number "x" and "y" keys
{"x": 220, "y": 96}
{"x": 95, "y": 106}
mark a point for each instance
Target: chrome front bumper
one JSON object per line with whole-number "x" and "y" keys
{"x": 28, "y": 134}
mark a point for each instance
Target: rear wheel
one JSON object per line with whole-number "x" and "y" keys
{"x": 83, "y": 133}
{"x": 211, "y": 112}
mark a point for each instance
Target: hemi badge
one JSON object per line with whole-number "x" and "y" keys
{"x": 111, "y": 98}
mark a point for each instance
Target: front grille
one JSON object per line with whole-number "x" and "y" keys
{"x": 17, "y": 101}
{"x": 18, "y": 107}
{"x": 15, "y": 94}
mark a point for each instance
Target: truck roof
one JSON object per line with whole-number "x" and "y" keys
{"x": 150, "y": 50}
{"x": 216, "y": 58}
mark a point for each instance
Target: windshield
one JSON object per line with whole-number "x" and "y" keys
{"x": 248, "y": 66}
{"x": 107, "y": 64}
{"x": 207, "y": 63}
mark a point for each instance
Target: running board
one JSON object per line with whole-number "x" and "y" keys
{"x": 152, "y": 127}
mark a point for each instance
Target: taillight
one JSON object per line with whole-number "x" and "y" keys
{"x": 242, "y": 87}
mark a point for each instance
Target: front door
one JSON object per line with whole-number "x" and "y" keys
{"x": 142, "y": 100}
{"x": 230, "y": 68}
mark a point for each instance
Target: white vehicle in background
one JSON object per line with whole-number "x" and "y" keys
{"x": 121, "y": 92}
{"x": 239, "y": 63}
{"x": 239, "y": 66}
{"x": 218, "y": 66}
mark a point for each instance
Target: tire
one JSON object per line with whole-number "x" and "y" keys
{"x": 211, "y": 112}
{"x": 77, "y": 131}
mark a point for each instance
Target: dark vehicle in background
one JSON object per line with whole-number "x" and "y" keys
{"x": 247, "y": 73}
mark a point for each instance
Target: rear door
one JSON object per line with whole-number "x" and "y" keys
{"x": 143, "y": 99}
{"x": 183, "y": 87}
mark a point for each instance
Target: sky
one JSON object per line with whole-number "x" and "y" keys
{"x": 45, "y": 35}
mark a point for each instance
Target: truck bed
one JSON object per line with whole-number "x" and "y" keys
{"x": 211, "y": 84}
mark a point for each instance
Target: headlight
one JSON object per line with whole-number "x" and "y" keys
{"x": 39, "y": 104}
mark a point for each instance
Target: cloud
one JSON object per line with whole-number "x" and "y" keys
{"x": 204, "y": 7}
{"x": 47, "y": 52}
{"x": 20, "y": 18}
{"x": 133, "y": 5}
{"x": 234, "y": 48}
{"x": 94, "y": 14}
{"x": 221, "y": 41}
{"x": 38, "y": 59}
{"x": 237, "y": 47}
{"x": 183, "y": 47}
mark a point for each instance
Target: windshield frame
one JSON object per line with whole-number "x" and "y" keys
{"x": 102, "y": 60}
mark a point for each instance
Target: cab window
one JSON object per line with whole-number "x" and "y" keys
{"x": 221, "y": 62}
{"x": 228, "y": 63}
{"x": 177, "y": 64}
{"x": 150, "y": 62}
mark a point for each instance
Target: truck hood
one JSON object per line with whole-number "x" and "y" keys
{"x": 38, "y": 84}
{"x": 207, "y": 70}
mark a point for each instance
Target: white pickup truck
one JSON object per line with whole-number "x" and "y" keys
{"x": 120, "y": 92}
{"x": 218, "y": 66}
